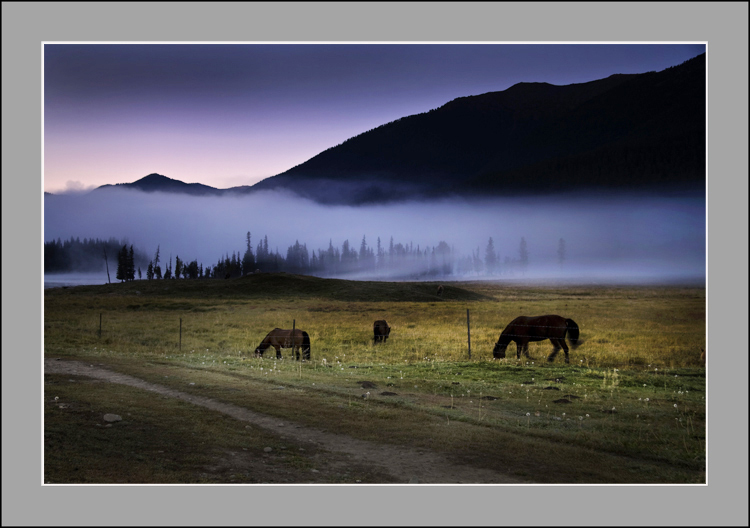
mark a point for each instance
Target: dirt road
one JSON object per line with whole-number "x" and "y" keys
{"x": 405, "y": 465}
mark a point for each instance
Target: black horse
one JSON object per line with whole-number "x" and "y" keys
{"x": 381, "y": 331}
{"x": 524, "y": 329}
{"x": 278, "y": 339}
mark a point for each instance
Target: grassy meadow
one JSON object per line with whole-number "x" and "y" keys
{"x": 629, "y": 408}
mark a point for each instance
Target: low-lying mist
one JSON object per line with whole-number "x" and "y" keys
{"x": 616, "y": 238}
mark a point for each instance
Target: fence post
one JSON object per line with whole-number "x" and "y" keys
{"x": 180, "y": 333}
{"x": 294, "y": 339}
{"x": 468, "y": 331}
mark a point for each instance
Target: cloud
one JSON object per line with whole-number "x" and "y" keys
{"x": 75, "y": 187}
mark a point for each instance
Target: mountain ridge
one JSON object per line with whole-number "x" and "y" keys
{"x": 622, "y": 131}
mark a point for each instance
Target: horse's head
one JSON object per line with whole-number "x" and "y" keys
{"x": 258, "y": 352}
{"x": 499, "y": 351}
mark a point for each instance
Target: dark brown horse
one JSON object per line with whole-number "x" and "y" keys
{"x": 381, "y": 331}
{"x": 440, "y": 290}
{"x": 524, "y": 329}
{"x": 278, "y": 339}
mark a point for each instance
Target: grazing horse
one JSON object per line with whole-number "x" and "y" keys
{"x": 381, "y": 331}
{"x": 440, "y": 290}
{"x": 278, "y": 339}
{"x": 524, "y": 329}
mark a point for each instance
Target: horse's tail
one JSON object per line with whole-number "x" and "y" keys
{"x": 573, "y": 333}
{"x": 305, "y": 345}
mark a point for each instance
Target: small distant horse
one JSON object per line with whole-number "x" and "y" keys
{"x": 440, "y": 290}
{"x": 381, "y": 331}
{"x": 524, "y": 329}
{"x": 278, "y": 339}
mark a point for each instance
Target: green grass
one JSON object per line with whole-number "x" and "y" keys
{"x": 641, "y": 356}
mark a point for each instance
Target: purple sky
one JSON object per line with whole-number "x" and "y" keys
{"x": 229, "y": 115}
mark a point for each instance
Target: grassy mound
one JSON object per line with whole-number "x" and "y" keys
{"x": 284, "y": 286}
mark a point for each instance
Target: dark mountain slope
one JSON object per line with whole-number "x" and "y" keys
{"x": 648, "y": 131}
{"x": 625, "y": 130}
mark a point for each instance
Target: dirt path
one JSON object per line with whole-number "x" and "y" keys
{"x": 404, "y": 464}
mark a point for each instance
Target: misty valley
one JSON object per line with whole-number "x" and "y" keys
{"x": 617, "y": 238}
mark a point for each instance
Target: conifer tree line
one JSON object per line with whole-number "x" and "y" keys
{"x": 394, "y": 259}
{"x": 86, "y": 255}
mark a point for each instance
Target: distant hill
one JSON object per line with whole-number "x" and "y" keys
{"x": 631, "y": 131}
{"x": 158, "y": 183}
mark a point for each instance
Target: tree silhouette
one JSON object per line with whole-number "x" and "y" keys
{"x": 248, "y": 259}
{"x": 490, "y": 258}
{"x": 177, "y": 267}
{"x": 130, "y": 265}
{"x": 523, "y": 254}
{"x": 122, "y": 257}
{"x": 168, "y": 271}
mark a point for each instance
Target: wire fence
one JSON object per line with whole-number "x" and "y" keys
{"x": 415, "y": 342}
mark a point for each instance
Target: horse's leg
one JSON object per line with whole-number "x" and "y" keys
{"x": 278, "y": 351}
{"x": 526, "y": 350}
{"x": 555, "y": 349}
{"x": 565, "y": 349}
{"x": 521, "y": 344}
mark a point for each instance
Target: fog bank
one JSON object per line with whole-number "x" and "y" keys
{"x": 618, "y": 238}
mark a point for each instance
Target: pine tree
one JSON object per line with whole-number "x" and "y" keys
{"x": 390, "y": 254}
{"x": 130, "y": 265}
{"x": 445, "y": 258}
{"x": 381, "y": 254}
{"x": 490, "y": 258}
{"x": 248, "y": 260}
{"x": 150, "y": 270}
{"x": 122, "y": 257}
{"x": 168, "y": 271}
{"x": 523, "y": 254}
{"x": 177, "y": 267}
{"x": 477, "y": 261}
{"x": 191, "y": 270}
